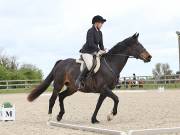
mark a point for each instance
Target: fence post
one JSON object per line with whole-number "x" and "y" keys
{"x": 25, "y": 85}
{"x": 7, "y": 84}
{"x": 124, "y": 82}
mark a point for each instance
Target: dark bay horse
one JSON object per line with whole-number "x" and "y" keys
{"x": 65, "y": 73}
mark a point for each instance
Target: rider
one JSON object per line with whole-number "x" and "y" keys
{"x": 134, "y": 78}
{"x": 93, "y": 45}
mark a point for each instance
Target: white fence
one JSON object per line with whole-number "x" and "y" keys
{"x": 171, "y": 81}
{"x": 10, "y": 84}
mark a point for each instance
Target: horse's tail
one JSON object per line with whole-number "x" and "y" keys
{"x": 35, "y": 93}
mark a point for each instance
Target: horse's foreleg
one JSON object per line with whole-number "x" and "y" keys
{"x": 115, "y": 98}
{"x": 99, "y": 103}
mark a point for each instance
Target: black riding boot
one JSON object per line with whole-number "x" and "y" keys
{"x": 81, "y": 78}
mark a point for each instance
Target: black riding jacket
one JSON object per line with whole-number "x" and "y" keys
{"x": 94, "y": 41}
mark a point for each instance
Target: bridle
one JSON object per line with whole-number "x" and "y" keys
{"x": 137, "y": 56}
{"x": 118, "y": 54}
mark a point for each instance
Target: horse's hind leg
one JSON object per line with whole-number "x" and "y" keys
{"x": 62, "y": 96}
{"x": 51, "y": 102}
{"x": 53, "y": 98}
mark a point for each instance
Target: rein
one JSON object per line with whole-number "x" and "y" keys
{"x": 124, "y": 55}
{"x": 114, "y": 74}
{"x": 109, "y": 67}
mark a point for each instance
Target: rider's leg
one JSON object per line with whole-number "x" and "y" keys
{"x": 88, "y": 59}
{"x": 81, "y": 78}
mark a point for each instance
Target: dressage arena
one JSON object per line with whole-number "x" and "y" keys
{"x": 137, "y": 110}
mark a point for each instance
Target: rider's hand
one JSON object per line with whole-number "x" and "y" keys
{"x": 101, "y": 52}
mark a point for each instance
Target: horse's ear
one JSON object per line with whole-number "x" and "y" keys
{"x": 136, "y": 35}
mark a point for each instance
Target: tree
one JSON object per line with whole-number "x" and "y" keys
{"x": 3, "y": 73}
{"x": 161, "y": 70}
{"x": 30, "y": 72}
{"x": 9, "y": 62}
{"x": 10, "y": 69}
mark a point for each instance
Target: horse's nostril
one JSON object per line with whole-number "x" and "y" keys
{"x": 149, "y": 57}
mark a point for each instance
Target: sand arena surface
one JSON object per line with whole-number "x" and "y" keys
{"x": 136, "y": 111}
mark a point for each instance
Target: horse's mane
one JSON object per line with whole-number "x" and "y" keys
{"x": 120, "y": 46}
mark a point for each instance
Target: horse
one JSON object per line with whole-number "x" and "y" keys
{"x": 133, "y": 83}
{"x": 65, "y": 73}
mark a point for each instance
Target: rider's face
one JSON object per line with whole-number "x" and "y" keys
{"x": 99, "y": 25}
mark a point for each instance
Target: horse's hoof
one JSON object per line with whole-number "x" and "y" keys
{"x": 114, "y": 112}
{"x": 110, "y": 117}
{"x": 58, "y": 118}
{"x": 50, "y": 117}
{"x": 95, "y": 121}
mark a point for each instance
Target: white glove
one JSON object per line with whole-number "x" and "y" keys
{"x": 100, "y": 52}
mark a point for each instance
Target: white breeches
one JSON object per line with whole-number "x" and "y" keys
{"x": 88, "y": 59}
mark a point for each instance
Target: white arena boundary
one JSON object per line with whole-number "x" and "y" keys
{"x": 86, "y": 128}
{"x": 155, "y": 131}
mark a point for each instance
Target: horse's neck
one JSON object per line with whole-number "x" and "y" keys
{"x": 117, "y": 62}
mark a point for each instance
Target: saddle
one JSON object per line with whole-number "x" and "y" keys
{"x": 90, "y": 82}
{"x": 96, "y": 63}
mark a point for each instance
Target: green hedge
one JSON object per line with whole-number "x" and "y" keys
{"x": 26, "y": 72}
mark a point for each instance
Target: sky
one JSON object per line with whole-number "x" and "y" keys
{"x": 40, "y": 32}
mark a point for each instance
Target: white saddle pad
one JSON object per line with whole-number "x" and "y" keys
{"x": 83, "y": 64}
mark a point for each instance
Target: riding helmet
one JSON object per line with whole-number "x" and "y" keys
{"x": 98, "y": 18}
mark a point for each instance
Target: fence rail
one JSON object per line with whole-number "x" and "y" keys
{"x": 150, "y": 82}
{"x": 13, "y": 84}
{"x": 145, "y": 82}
